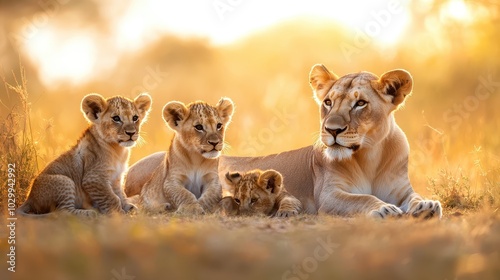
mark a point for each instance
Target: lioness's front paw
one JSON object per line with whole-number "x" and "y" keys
{"x": 286, "y": 212}
{"x": 426, "y": 209}
{"x": 190, "y": 209}
{"x": 386, "y": 211}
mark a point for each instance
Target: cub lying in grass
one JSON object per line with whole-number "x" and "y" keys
{"x": 259, "y": 193}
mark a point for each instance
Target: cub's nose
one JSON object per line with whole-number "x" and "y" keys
{"x": 213, "y": 143}
{"x": 335, "y": 131}
{"x": 130, "y": 133}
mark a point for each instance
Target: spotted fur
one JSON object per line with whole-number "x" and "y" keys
{"x": 185, "y": 179}
{"x": 88, "y": 177}
{"x": 259, "y": 193}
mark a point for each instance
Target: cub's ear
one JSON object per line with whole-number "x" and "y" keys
{"x": 174, "y": 113}
{"x": 93, "y": 105}
{"x": 394, "y": 86}
{"x": 233, "y": 178}
{"x": 272, "y": 181}
{"x": 143, "y": 104}
{"x": 225, "y": 107}
{"x": 321, "y": 80}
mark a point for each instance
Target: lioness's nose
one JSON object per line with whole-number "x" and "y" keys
{"x": 335, "y": 131}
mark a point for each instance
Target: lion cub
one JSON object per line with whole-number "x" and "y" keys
{"x": 186, "y": 179}
{"x": 259, "y": 193}
{"x": 89, "y": 175}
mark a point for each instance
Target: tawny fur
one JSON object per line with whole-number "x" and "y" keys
{"x": 185, "y": 179}
{"x": 259, "y": 192}
{"x": 369, "y": 175}
{"x": 360, "y": 163}
{"x": 88, "y": 177}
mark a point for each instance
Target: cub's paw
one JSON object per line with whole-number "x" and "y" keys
{"x": 426, "y": 209}
{"x": 190, "y": 209}
{"x": 228, "y": 207}
{"x": 286, "y": 212}
{"x": 386, "y": 211}
{"x": 129, "y": 208}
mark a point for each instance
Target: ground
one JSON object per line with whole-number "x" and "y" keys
{"x": 460, "y": 246}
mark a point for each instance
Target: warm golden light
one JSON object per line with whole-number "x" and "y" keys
{"x": 456, "y": 10}
{"x": 61, "y": 56}
{"x": 66, "y": 54}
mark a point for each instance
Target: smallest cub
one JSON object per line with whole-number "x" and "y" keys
{"x": 259, "y": 192}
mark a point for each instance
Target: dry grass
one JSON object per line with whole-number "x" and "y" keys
{"x": 464, "y": 245}
{"x": 17, "y": 145}
{"x": 211, "y": 247}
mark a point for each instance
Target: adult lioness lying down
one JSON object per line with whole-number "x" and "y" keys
{"x": 360, "y": 163}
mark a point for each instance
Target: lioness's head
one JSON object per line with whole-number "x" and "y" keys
{"x": 255, "y": 192}
{"x": 356, "y": 109}
{"x": 117, "y": 119}
{"x": 200, "y": 126}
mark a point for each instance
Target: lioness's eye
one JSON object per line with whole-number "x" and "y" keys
{"x": 361, "y": 103}
{"x": 219, "y": 126}
{"x": 116, "y": 119}
{"x": 237, "y": 201}
{"x": 199, "y": 127}
{"x": 253, "y": 200}
{"x": 135, "y": 118}
{"x": 328, "y": 102}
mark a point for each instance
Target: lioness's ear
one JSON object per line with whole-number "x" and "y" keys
{"x": 321, "y": 80}
{"x": 272, "y": 181}
{"x": 233, "y": 178}
{"x": 225, "y": 107}
{"x": 143, "y": 104}
{"x": 92, "y": 106}
{"x": 174, "y": 113}
{"x": 394, "y": 86}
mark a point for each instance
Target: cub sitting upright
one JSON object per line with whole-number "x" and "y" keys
{"x": 259, "y": 193}
{"x": 89, "y": 175}
{"x": 187, "y": 179}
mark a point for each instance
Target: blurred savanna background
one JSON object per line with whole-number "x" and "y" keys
{"x": 258, "y": 53}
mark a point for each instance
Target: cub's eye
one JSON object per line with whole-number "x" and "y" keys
{"x": 253, "y": 200}
{"x": 135, "y": 118}
{"x": 237, "y": 201}
{"x": 327, "y": 102}
{"x": 199, "y": 127}
{"x": 361, "y": 103}
{"x": 116, "y": 119}
{"x": 219, "y": 126}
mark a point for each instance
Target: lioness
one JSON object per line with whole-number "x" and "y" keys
{"x": 259, "y": 192}
{"x": 360, "y": 163}
{"x": 89, "y": 175}
{"x": 186, "y": 177}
